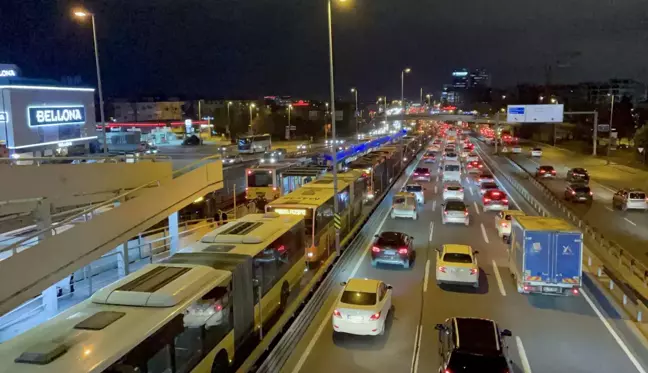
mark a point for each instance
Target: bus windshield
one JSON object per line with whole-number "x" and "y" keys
{"x": 256, "y": 179}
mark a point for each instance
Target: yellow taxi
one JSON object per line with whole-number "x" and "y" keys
{"x": 503, "y": 221}
{"x": 457, "y": 264}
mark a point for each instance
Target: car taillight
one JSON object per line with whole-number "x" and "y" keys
{"x": 553, "y": 172}
{"x": 573, "y": 192}
{"x": 469, "y": 166}
{"x": 427, "y": 174}
{"x": 590, "y": 193}
{"x": 375, "y": 249}
{"x": 402, "y": 250}
{"x": 442, "y": 269}
{"x": 504, "y": 224}
{"x": 416, "y": 174}
{"x": 542, "y": 171}
{"x": 445, "y": 213}
{"x": 375, "y": 316}
{"x": 575, "y": 291}
{"x": 526, "y": 288}
{"x": 465, "y": 212}
{"x": 505, "y": 201}
{"x": 473, "y": 271}
{"x": 274, "y": 189}
{"x": 445, "y": 189}
{"x": 337, "y": 313}
{"x": 447, "y": 371}
{"x": 486, "y": 200}
{"x": 461, "y": 189}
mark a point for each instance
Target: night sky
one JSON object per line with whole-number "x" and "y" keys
{"x": 251, "y": 48}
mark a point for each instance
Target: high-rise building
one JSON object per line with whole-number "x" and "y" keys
{"x": 460, "y": 79}
{"x": 479, "y": 78}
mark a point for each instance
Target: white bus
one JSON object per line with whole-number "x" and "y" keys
{"x": 251, "y": 144}
{"x": 263, "y": 180}
{"x": 190, "y": 313}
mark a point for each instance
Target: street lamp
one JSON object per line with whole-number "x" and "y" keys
{"x": 83, "y": 14}
{"x": 553, "y": 100}
{"x": 613, "y": 98}
{"x": 229, "y": 122}
{"x": 403, "y": 72}
{"x": 503, "y": 97}
{"x": 429, "y": 98}
{"x": 252, "y": 105}
{"x": 288, "y": 129}
{"x": 541, "y": 98}
{"x": 355, "y": 92}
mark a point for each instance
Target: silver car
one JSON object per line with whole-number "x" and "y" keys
{"x": 453, "y": 190}
{"x": 454, "y": 211}
{"x": 630, "y": 199}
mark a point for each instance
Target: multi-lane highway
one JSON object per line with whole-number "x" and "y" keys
{"x": 627, "y": 228}
{"x": 550, "y": 334}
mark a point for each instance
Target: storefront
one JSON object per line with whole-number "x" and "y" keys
{"x": 41, "y": 118}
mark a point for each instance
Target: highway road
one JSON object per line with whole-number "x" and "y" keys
{"x": 627, "y": 228}
{"x": 550, "y": 334}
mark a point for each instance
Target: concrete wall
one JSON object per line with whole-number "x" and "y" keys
{"x": 66, "y": 181}
{"x": 28, "y": 273}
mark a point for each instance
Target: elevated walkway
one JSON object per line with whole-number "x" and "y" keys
{"x": 36, "y": 262}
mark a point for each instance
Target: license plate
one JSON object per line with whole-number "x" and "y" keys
{"x": 390, "y": 252}
{"x": 356, "y": 318}
{"x": 582, "y": 198}
{"x": 550, "y": 289}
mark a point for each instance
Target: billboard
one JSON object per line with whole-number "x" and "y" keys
{"x": 535, "y": 113}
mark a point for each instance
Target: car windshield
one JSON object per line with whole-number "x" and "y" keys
{"x": 489, "y": 186}
{"x": 547, "y": 168}
{"x": 466, "y": 363}
{"x": 259, "y": 178}
{"x": 582, "y": 189}
{"x": 430, "y": 154}
{"x": 453, "y": 187}
{"x": 637, "y": 195}
{"x": 421, "y": 170}
{"x": 451, "y": 155}
{"x": 579, "y": 171}
{"x": 451, "y": 167}
{"x": 485, "y": 176}
{"x": 390, "y": 239}
{"x": 455, "y": 206}
{"x": 358, "y": 298}
{"x": 414, "y": 188}
{"x": 457, "y": 258}
{"x": 537, "y": 149}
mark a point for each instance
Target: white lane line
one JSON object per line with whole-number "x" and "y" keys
{"x": 433, "y": 205}
{"x": 470, "y": 190}
{"x": 417, "y": 342}
{"x": 476, "y": 207}
{"x": 427, "y": 275}
{"x": 431, "y": 231}
{"x": 526, "y": 367}
{"x": 630, "y": 221}
{"x": 437, "y": 178}
{"x": 500, "y": 284}
{"x": 435, "y": 189}
{"x": 484, "y": 233}
{"x": 616, "y": 337}
{"x": 609, "y": 208}
{"x": 327, "y": 317}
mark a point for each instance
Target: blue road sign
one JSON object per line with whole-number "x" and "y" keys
{"x": 516, "y": 110}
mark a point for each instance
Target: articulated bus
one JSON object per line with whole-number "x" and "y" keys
{"x": 315, "y": 204}
{"x": 294, "y": 177}
{"x": 250, "y": 144}
{"x": 190, "y": 313}
{"x": 358, "y": 191}
{"x": 263, "y": 181}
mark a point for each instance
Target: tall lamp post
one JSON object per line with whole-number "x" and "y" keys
{"x": 288, "y": 129}
{"x": 251, "y": 107}
{"x": 84, "y": 14}
{"x": 229, "y": 121}
{"x": 355, "y": 92}
{"x": 609, "y": 145}
{"x": 403, "y": 72}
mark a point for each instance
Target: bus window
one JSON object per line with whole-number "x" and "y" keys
{"x": 259, "y": 178}
{"x": 324, "y": 215}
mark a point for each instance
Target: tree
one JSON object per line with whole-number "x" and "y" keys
{"x": 641, "y": 137}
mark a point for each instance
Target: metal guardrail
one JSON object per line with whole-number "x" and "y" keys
{"x": 121, "y": 197}
{"x": 612, "y": 267}
{"x": 280, "y": 353}
{"x": 37, "y": 161}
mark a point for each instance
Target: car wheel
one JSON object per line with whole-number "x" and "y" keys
{"x": 439, "y": 282}
{"x": 467, "y": 222}
{"x": 374, "y": 263}
{"x": 392, "y": 216}
{"x": 382, "y": 330}
{"x": 476, "y": 285}
{"x": 406, "y": 264}
{"x": 443, "y": 221}
{"x": 624, "y": 207}
{"x": 415, "y": 217}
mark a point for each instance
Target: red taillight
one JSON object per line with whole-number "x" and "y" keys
{"x": 375, "y": 249}
{"x": 447, "y": 371}
{"x": 445, "y": 189}
{"x": 575, "y": 291}
{"x": 465, "y": 212}
{"x": 274, "y": 189}
{"x": 375, "y": 316}
{"x": 427, "y": 174}
{"x": 542, "y": 171}
{"x": 573, "y": 192}
{"x": 416, "y": 174}
{"x": 496, "y": 193}
{"x": 486, "y": 200}
{"x": 442, "y": 269}
{"x": 481, "y": 165}
{"x": 526, "y": 288}
{"x": 246, "y": 189}
{"x": 505, "y": 201}
{"x": 337, "y": 313}
{"x": 469, "y": 166}
{"x": 591, "y": 194}
{"x": 249, "y": 172}
{"x": 553, "y": 172}
{"x": 473, "y": 271}
{"x": 445, "y": 213}
{"x": 402, "y": 250}
{"x": 504, "y": 224}
{"x": 461, "y": 189}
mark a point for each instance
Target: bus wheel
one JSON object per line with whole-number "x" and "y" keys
{"x": 285, "y": 293}
{"x": 221, "y": 363}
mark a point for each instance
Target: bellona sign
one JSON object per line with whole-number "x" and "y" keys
{"x": 56, "y": 116}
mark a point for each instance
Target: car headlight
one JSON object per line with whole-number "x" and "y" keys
{"x": 273, "y": 160}
{"x": 262, "y": 160}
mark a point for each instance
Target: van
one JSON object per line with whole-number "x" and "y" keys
{"x": 451, "y": 171}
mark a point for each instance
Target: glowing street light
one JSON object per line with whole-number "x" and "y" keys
{"x": 80, "y": 13}
{"x": 406, "y": 70}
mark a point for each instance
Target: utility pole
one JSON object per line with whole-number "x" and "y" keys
{"x": 497, "y": 124}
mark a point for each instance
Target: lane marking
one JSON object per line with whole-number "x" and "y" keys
{"x": 500, "y": 284}
{"x": 616, "y": 337}
{"x": 609, "y": 208}
{"x": 417, "y": 349}
{"x": 630, "y": 221}
{"x": 484, "y": 232}
{"x": 435, "y": 189}
{"x": 526, "y": 367}
{"x": 437, "y": 178}
{"x": 433, "y": 205}
{"x": 470, "y": 190}
{"x": 431, "y": 231}
{"x": 327, "y": 317}
{"x": 476, "y": 207}
{"x": 427, "y": 275}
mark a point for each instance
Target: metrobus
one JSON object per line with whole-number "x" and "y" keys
{"x": 294, "y": 177}
{"x": 263, "y": 180}
{"x": 358, "y": 191}
{"x": 314, "y": 201}
{"x": 254, "y": 143}
{"x": 190, "y": 313}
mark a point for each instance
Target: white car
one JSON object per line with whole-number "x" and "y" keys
{"x": 451, "y": 156}
{"x": 362, "y": 308}
{"x": 454, "y": 211}
{"x": 503, "y": 221}
{"x": 453, "y": 190}
{"x": 536, "y": 152}
{"x": 517, "y": 149}
{"x": 417, "y": 190}
{"x": 404, "y": 205}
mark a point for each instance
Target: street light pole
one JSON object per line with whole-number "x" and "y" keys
{"x": 288, "y": 132}
{"x": 355, "y": 91}
{"x": 229, "y": 122}
{"x": 251, "y": 107}
{"x": 421, "y": 100}
{"x": 610, "y": 130}
{"x": 405, "y": 70}
{"x": 333, "y": 134}
{"x": 83, "y": 14}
